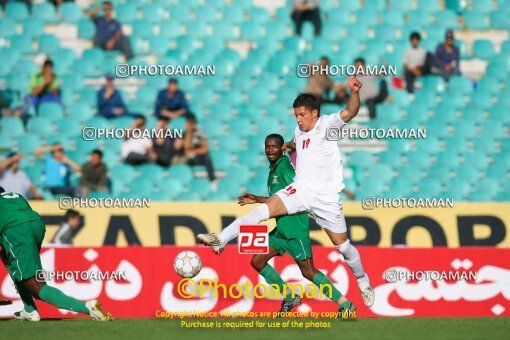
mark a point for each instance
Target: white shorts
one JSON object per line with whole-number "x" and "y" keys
{"x": 326, "y": 208}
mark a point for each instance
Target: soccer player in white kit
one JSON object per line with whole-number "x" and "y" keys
{"x": 317, "y": 185}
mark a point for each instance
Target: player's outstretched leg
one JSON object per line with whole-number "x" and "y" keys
{"x": 52, "y": 295}
{"x": 260, "y": 263}
{"x": 273, "y": 207}
{"x": 346, "y": 309}
{"x": 353, "y": 260}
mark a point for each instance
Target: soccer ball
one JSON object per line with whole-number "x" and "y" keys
{"x": 187, "y": 264}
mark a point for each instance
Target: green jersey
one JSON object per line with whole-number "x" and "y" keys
{"x": 292, "y": 226}
{"x": 15, "y": 210}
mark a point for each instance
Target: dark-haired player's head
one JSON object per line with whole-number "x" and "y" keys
{"x": 72, "y": 218}
{"x": 140, "y": 121}
{"x": 415, "y": 38}
{"x": 173, "y": 85}
{"x": 47, "y": 67}
{"x": 58, "y": 152}
{"x": 273, "y": 147}
{"x": 108, "y": 9}
{"x": 359, "y": 62}
{"x": 307, "y": 111}
{"x": 96, "y": 157}
{"x": 2, "y": 190}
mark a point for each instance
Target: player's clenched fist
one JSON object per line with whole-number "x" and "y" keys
{"x": 354, "y": 84}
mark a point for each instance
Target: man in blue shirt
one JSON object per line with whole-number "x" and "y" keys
{"x": 171, "y": 102}
{"x": 447, "y": 57}
{"x": 57, "y": 169}
{"x": 109, "y": 31}
{"x": 109, "y": 100}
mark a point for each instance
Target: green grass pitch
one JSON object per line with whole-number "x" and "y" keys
{"x": 373, "y": 328}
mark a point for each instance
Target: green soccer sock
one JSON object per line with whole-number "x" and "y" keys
{"x": 326, "y": 287}
{"x": 57, "y": 298}
{"x": 26, "y": 297}
{"x": 273, "y": 278}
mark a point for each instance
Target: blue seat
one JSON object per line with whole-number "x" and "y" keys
{"x": 70, "y": 12}
{"x": 127, "y": 12}
{"x": 86, "y": 29}
{"x": 189, "y": 197}
{"x": 69, "y": 127}
{"x": 393, "y": 18}
{"x": 221, "y": 160}
{"x": 476, "y": 159}
{"x": 475, "y": 21}
{"x": 500, "y": 20}
{"x": 11, "y": 126}
{"x": 172, "y": 185}
{"x": 482, "y": 6}
{"x": 251, "y": 31}
{"x": 40, "y": 126}
{"x": 51, "y": 110}
{"x": 45, "y": 12}
{"x": 233, "y": 14}
{"x": 33, "y": 27}
{"x": 48, "y": 44}
{"x": 483, "y": 49}
{"x": 182, "y": 172}
{"x": 152, "y": 12}
{"x": 170, "y": 29}
{"x": 16, "y": 10}
{"x": 428, "y": 6}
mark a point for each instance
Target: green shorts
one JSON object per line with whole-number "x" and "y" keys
{"x": 299, "y": 248}
{"x": 22, "y": 244}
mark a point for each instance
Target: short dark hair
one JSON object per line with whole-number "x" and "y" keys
{"x": 71, "y": 213}
{"x": 108, "y": 3}
{"x": 48, "y": 62}
{"x": 97, "y": 152}
{"x": 140, "y": 117}
{"x": 415, "y": 35}
{"x": 359, "y": 59}
{"x": 191, "y": 117}
{"x": 325, "y": 58}
{"x": 2, "y": 190}
{"x": 309, "y": 101}
{"x": 164, "y": 119}
{"x": 278, "y": 137}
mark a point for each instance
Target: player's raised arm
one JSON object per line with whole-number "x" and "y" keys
{"x": 289, "y": 146}
{"x": 352, "y": 108}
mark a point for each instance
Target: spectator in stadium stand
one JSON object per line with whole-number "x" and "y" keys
{"x": 165, "y": 147}
{"x": 372, "y": 93}
{"x": 13, "y": 179}
{"x": 68, "y": 230}
{"x": 109, "y": 100}
{"x": 196, "y": 147}
{"x": 44, "y": 86}
{"x": 306, "y": 10}
{"x": 93, "y": 175}
{"x": 137, "y": 151}
{"x": 320, "y": 84}
{"x": 417, "y": 61}
{"x": 109, "y": 34}
{"x": 447, "y": 57}
{"x": 57, "y": 169}
{"x": 171, "y": 102}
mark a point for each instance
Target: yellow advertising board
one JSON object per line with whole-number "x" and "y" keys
{"x": 177, "y": 223}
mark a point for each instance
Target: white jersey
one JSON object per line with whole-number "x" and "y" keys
{"x": 318, "y": 160}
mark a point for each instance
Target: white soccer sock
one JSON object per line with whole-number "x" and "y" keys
{"x": 353, "y": 260}
{"x": 257, "y": 215}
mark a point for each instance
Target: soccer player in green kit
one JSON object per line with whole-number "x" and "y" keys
{"x": 21, "y": 234}
{"x": 291, "y": 235}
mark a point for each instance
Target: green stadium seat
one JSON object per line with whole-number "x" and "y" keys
{"x": 483, "y": 49}
{"x": 141, "y": 187}
{"x": 480, "y": 196}
{"x": 493, "y": 129}
{"x": 18, "y": 82}
{"x": 430, "y": 145}
{"x": 500, "y": 20}
{"x": 445, "y": 113}
{"x": 482, "y": 6}
{"x": 98, "y": 122}
{"x": 51, "y": 110}
{"x": 16, "y": 11}
{"x": 189, "y": 197}
{"x": 251, "y": 31}
{"x": 233, "y": 14}
{"x": 33, "y": 27}
{"x": 200, "y": 186}
{"x": 69, "y": 127}
{"x": 152, "y": 12}
{"x": 170, "y": 29}
{"x": 241, "y": 127}
{"x": 410, "y": 172}
{"x": 457, "y": 6}
{"x": 172, "y": 186}
{"x": 152, "y": 171}
{"x": 456, "y": 143}
{"x": 70, "y": 12}
{"x": 399, "y": 146}
{"x": 127, "y": 12}
{"x": 465, "y": 129}
{"x": 217, "y": 196}
{"x": 454, "y": 98}
{"x": 27, "y": 143}
{"x": 361, "y": 158}
{"x": 476, "y": 159}
{"x": 22, "y": 43}
{"x": 224, "y": 29}
{"x": 418, "y": 160}
{"x": 499, "y": 113}
{"x": 48, "y": 44}
{"x": 475, "y": 21}
{"x": 431, "y": 186}
{"x": 40, "y": 126}
{"x": 86, "y": 29}
{"x": 45, "y": 12}
{"x": 182, "y": 172}
{"x": 124, "y": 173}
{"x": 221, "y": 160}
